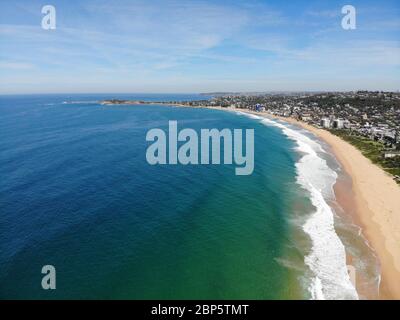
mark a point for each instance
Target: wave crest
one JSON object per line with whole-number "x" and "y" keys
{"x": 327, "y": 259}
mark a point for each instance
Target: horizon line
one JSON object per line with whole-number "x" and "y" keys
{"x": 201, "y": 93}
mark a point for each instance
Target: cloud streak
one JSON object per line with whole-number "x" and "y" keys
{"x": 131, "y": 43}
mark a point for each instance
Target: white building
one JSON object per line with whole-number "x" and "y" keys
{"x": 391, "y": 154}
{"x": 306, "y": 117}
{"x": 338, "y": 123}
{"x": 325, "y": 123}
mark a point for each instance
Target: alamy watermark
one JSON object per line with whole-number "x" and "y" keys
{"x": 349, "y": 20}
{"x": 49, "y": 280}
{"x": 49, "y": 20}
{"x": 196, "y": 150}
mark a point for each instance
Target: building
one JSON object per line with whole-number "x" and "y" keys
{"x": 338, "y": 123}
{"x": 346, "y": 124}
{"x": 259, "y": 108}
{"x": 325, "y": 123}
{"x": 306, "y": 117}
{"x": 391, "y": 154}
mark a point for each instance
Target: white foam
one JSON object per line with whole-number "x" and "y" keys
{"x": 249, "y": 115}
{"x": 327, "y": 259}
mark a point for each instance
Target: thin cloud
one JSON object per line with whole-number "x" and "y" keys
{"x": 11, "y": 65}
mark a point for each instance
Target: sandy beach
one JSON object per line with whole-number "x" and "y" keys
{"x": 377, "y": 205}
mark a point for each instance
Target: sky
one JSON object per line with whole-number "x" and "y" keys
{"x": 174, "y": 46}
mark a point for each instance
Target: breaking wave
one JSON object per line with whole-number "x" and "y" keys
{"x": 327, "y": 259}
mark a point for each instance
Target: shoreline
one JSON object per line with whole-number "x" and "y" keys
{"x": 371, "y": 200}
{"x": 376, "y": 198}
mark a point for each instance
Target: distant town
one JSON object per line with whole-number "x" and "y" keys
{"x": 372, "y": 114}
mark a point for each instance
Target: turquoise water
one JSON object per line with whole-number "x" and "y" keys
{"x": 77, "y": 193}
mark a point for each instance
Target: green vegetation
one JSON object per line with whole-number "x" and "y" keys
{"x": 373, "y": 150}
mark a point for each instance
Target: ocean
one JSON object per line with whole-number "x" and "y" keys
{"x": 77, "y": 193}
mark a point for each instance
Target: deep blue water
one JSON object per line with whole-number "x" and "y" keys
{"x": 76, "y": 192}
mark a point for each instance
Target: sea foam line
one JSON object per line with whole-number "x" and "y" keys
{"x": 327, "y": 259}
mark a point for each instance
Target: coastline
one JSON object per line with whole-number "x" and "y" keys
{"x": 371, "y": 199}
{"x": 376, "y": 197}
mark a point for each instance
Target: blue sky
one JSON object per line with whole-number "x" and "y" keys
{"x": 198, "y": 46}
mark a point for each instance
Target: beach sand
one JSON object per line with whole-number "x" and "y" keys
{"x": 377, "y": 206}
